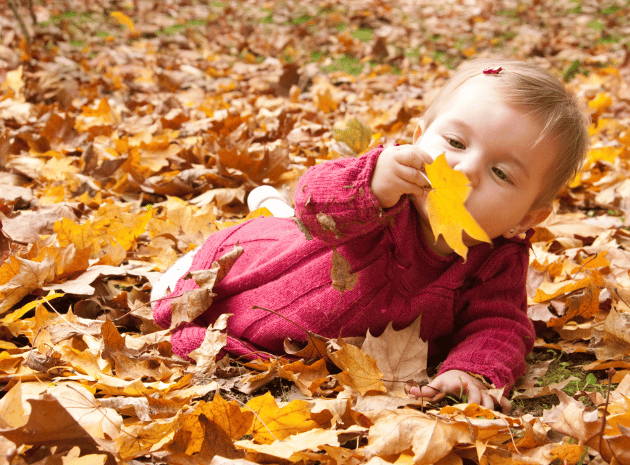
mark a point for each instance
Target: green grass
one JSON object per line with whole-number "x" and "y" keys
{"x": 347, "y": 63}
{"x": 363, "y": 34}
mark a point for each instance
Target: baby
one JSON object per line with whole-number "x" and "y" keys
{"x": 515, "y": 132}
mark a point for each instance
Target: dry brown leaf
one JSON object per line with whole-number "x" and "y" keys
{"x": 401, "y": 355}
{"x": 430, "y": 438}
{"x": 341, "y": 273}
{"x": 214, "y": 340}
{"x": 191, "y": 304}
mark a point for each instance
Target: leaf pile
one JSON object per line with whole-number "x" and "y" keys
{"x": 129, "y": 135}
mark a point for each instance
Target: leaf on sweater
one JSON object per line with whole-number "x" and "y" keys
{"x": 359, "y": 370}
{"x": 445, "y": 205}
{"x": 356, "y": 135}
{"x": 401, "y": 355}
{"x": 214, "y": 340}
{"x": 342, "y": 277}
{"x": 193, "y": 303}
{"x": 327, "y": 223}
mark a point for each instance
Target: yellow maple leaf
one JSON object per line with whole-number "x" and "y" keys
{"x": 274, "y": 423}
{"x": 445, "y": 205}
{"x": 14, "y": 81}
{"x": 601, "y": 102}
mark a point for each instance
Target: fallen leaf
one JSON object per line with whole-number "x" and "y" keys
{"x": 359, "y": 370}
{"x": 401, "y": 355}
{"x": 273, "y": 423}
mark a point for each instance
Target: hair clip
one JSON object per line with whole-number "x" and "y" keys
{"x": 492, "y": 70}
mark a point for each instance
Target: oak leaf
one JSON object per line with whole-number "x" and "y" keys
{"x": 445, "y": 206}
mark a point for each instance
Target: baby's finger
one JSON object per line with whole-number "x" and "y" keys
{"x": 486, "y": 401}
{"x": 411, "y": 170}
{"x": 427, "y": 391}
{"x": 506, "y": 405}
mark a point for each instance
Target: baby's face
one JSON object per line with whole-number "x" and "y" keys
{"x": 494, "y": 144}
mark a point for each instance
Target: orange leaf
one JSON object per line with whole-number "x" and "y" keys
{"x": 445, "y": 205}
{"x": 124, "y": 20}
{"x": 360, "y": 371}
{"x": 306, "y": 377}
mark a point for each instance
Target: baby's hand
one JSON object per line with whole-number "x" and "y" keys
{"x": 400, "y": 170}
{"x": 460, "y": 384}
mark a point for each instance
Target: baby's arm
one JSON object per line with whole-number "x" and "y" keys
{"x": 462, "y": 385}
{"x": 399, "y": 171}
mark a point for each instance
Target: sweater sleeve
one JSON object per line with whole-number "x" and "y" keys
{"x": 493, "y": 333}
{"x": 333, "y": 200}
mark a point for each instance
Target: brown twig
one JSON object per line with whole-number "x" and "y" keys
{"x": 611, "y": 373}
{"x": 13, "y": 6}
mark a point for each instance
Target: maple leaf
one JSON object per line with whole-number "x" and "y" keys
{"x": 401, "y": 355}
{"x": 307, "y": 378}
{"x": 360, "y": 371}
{"x": 290, "y": 448}
{"x": 273, "y": 423}
{"x": 124, "y": 20}
{"x": 429, "y": 438}
{"x": 445, "y": 205}
{"x": 193, "y": 303}
{"x": 29, "y": 276}
{"x": 227, "y": 416}
{"x": 356, "y": 135}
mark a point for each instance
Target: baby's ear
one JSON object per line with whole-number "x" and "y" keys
{"x": 535, "y": 216}
{"x": 418, "y": 131}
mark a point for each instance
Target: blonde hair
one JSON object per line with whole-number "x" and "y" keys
{"x": 536, "y": 91}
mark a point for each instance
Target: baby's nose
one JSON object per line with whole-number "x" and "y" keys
{"x": 469, "y": 166}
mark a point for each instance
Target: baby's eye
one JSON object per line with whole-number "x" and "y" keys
{"x": 499, "y": 173}
{"x": 456, "y": 144}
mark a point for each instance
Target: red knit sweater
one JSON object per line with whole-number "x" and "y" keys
{"x": 473, "y": 312}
